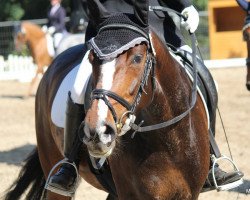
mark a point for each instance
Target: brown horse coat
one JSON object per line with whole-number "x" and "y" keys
{"x": 169, "y": 163}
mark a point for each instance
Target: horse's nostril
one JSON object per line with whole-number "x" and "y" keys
{"x": 108, "y": 135}
{"x": 109, "y": 144}
{"x": 109, "y": 130}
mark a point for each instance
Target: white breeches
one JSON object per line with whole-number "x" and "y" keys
{"x": 57, "y": 39}
{"x": 80, "y": 84}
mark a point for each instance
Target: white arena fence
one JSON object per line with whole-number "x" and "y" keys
{"x": 16, "y": 67}
{"x": 12, "y": 66}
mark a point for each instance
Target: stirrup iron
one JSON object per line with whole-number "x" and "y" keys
{"x": 229, "y": 185}
{"x": 69, "y": 193}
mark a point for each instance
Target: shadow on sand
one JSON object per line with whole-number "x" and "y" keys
{"x": 16, "y": 97}
{"x": 243, "y": 189}
{"x": 17, "y": 155}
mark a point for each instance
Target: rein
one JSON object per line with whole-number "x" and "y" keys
{"x": 176, "y": 119}
{"x": 149, "y": 67}
{"x": 139, "y": 128}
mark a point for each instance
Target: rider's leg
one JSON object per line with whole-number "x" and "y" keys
{"x": 65, "y": 177}
{"x": 64, "y": 181}
{"x": 57, "y": 39}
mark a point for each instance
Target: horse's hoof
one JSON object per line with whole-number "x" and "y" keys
{"x": 248, "y": 85}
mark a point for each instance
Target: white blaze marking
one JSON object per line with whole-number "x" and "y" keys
{"x": 107, "y": 73}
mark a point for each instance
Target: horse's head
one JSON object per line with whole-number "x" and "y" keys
{"x": 122, "y": 87}
{"x": 27, "y": 32}
{"x": 20, "y": 38}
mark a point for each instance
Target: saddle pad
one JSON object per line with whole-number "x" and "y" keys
{"x": 58, "y": 109}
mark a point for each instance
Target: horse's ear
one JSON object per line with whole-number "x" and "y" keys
{"x": 97, "y": 12}
{"x": 141, "y": 12}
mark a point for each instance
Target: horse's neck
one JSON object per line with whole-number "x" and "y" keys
{"x": 34, "y": 41}
{"x": 172, "y": 91}
{"x": 34, "y": 34}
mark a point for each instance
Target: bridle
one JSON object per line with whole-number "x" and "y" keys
{"x": 149, "y": 67}
{"x": 103, "y": 94}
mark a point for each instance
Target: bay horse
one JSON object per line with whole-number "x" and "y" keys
{"x": 145, "y": 81}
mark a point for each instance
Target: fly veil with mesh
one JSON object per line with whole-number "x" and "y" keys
{"x": 117, "y": 34}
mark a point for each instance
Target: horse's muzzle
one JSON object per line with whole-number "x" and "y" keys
{"x": 100, "y": 141}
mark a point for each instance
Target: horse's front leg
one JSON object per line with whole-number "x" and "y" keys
{"x": 34, "y": 83}
{"x": 248, "y": 77}
{"x": 248, "y": 66}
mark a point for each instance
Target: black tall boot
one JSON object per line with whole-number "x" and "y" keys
{"x": 65, "y": 179}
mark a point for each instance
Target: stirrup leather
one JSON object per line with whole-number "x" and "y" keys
{"x": 229, "y": 185}
{"x": 69, "y": 193}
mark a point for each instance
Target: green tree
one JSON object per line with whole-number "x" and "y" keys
{"x": 10, "y": 10}
{"x": 201, "y": 5}
{"x": 27, "y": 9}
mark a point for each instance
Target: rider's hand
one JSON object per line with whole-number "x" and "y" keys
{"x": 51, "y": 30}
{"x": 44, "y": 28}
{"x": 192, "y": 21}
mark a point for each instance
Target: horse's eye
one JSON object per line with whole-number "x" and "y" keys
{"x": 137, "y": 59}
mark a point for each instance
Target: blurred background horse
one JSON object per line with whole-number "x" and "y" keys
{"x": 32, "y": 35}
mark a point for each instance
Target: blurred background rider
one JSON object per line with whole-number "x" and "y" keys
{"x": 56, "y": 22}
